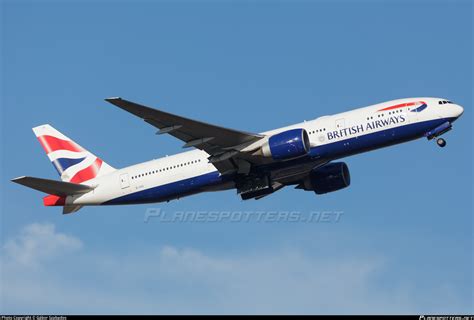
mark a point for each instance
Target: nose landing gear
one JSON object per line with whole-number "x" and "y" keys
{"x": 439, "y": 130}
{"x": 441, "y": 142}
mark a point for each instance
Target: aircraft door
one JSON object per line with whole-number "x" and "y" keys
{"x": 412, "y": 115}
{"x": 340, "y": 124}
{"x": 124, "y": 181}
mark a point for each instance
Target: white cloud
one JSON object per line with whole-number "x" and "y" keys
{"x": 167, "y": 280}
{"x": 37, "y": 242}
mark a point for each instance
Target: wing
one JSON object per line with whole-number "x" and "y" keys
{"x": 219, "y": 142}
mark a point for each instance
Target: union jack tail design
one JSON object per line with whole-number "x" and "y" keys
{"x": 73, "y": 163}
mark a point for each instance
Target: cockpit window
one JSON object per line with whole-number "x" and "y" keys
{"x": 445, "y": 101}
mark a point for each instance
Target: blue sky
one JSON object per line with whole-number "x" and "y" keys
{"x": 404, "y": 242}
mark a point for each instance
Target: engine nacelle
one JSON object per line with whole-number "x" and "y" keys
{"x": 287, "y": 145}
{"x": 331, "y": 177}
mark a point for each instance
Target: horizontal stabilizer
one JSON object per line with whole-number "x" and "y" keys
{"x": 58, "y": 188}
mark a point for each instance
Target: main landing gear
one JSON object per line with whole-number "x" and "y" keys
{"x": 441, "y": 142}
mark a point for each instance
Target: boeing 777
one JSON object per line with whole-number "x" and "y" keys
{"x": 303, "y": 155}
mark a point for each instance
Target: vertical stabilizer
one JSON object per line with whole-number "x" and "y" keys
{"x": 73, "y": 163}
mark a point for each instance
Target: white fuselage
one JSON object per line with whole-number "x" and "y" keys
{"x": 331, "y": 137}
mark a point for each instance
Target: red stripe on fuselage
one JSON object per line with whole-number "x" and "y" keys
{"x": 401, "y": 105}
{"x": 50, "y": 144}
{"x": 88, "y": 172}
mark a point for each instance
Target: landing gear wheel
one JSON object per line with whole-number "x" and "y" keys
{"x": 441, "y": 142}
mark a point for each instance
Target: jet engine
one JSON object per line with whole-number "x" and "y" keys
{"x": 287, "y": 145}
{"x": 328, "y": 178}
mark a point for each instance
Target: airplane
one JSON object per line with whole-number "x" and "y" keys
{"x": 255, "y": 164}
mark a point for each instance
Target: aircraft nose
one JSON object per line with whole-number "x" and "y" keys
{"x": 458, "y": 110}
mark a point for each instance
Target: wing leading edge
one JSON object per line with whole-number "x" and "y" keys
{"x": 221, "y": 143}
